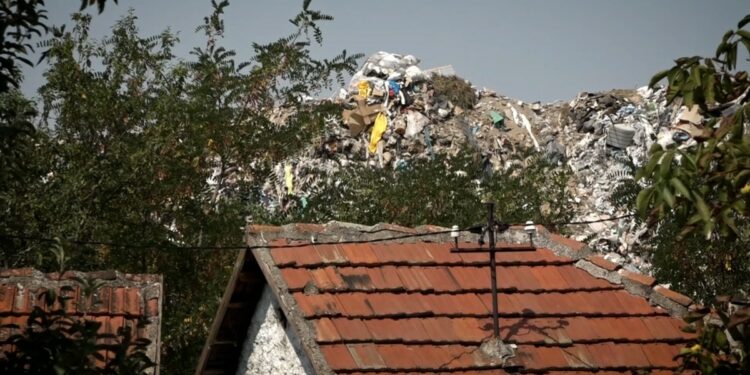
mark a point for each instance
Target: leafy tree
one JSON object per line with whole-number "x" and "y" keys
{"x": 138, "y": 148}
{"x": 440, "y": 191}
{"x": 696, "y": 198}
{"x": 20, "y": 21}
{"x": 710, "y": 183}
{"x": 698, "y": 267}
{"x": 722, "y": 343}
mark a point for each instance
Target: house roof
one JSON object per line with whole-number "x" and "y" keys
{"x": 122, "y": 300}
{"x": 412, "y": 306}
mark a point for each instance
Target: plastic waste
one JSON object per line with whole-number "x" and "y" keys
{"x": 415, "y": 122}
{"x": 413, "y": 74}
{"x": 620, "y": 136}
{"x": 691, "y": 115}
{"x": 289, "y": 179}
{"x": 527, "y": 125}
{"x": 381, "y": 124}
{"x": 363, "y": 89}
{"x": 393, "y": 88}
{"x": 497, "y": 119}
{"x": 681, "y": 137}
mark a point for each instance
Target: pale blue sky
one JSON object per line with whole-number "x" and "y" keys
{"x": 530, "y": 49}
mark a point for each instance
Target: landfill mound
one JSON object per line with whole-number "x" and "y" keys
{"x": 394, "y": 112}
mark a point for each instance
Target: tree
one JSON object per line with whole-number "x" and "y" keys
{"x": 20, "y": 21}
{"x": 698, "y": 199}
{"x": 443, "y": 191}
{"x": 695, "y": 198}
{"x": 722, "y": 343}
{"x": 148, "y": 154}
{"x": 709, "y": 185}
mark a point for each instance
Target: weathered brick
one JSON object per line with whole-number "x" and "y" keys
{"x": 603, "y": 263}
{"x": 674, "y": 296}
{"x": 637, "y": 277}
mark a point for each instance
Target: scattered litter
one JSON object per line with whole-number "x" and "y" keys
{"x": 497, "y": 119}
{"x": 391, "y": 116}
{"x": 620, "y": 136}
{"x": 381, "y": 124}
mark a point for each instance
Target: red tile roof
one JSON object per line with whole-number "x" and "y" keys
{"x": 121, "y": 301}
{"x": 412, "y": 306}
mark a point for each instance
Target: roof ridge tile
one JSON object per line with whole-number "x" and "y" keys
{"x": 594, "y": 264}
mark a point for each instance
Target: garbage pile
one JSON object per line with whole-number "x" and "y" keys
{"x": 392, "y": 115}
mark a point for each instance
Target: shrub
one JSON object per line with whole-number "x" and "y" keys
{"x": 454, "y": 89}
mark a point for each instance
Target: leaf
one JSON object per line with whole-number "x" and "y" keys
{"x": 745, "y": 20}
{"x": 702, "y": 207}
{"x": 680, "y": 187}
{"x": 658, "y": 77}
{"x": 744, "y": 34}
{"x": 693, "y": 316}
{"x": 643, "y": 200}
{"x": 722, "y": 47}
{"x": 648, "y": 170}
{"x": 709, "y": 83}
{"x": 667, "y": 195}
{"x": 665, "y": 164}
{"x": 741, "y": 178}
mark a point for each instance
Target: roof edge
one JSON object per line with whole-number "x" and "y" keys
{"x": 305, "y": 332}
{"x": 111, "y": 276}
{"x": 674, "y": 303}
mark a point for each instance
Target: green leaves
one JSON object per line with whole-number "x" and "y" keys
{"x": 441, "y": 191}
{"x": 141, "y": 148}
{"x": 711, "y": 351}
{"x": 705, "y": 182}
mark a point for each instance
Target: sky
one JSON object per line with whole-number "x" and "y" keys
{"x": 532, "y": 50}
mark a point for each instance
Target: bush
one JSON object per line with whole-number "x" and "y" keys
{"x": 441, "y": 191}
{"x": 721, "y": 344}
{"x": 454, "y": 89}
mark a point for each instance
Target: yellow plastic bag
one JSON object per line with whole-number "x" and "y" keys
{"x": 289, "y": 179}
{"x": 364, "y": 89}
{"x": 381, "y": 123}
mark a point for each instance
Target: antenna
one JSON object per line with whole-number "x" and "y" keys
{"x": 492, "y": 226}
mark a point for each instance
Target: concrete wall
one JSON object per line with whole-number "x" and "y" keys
{"x": 272, "y": 346}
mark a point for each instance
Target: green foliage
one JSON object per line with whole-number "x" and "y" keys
{"x": 57, "y": 342}
{"x": 16, "y": 134}
{"x": 440, "y": 191}
{"x": 697, "y": 201}
{"x": 136, "y": 147}
{"x": 722, "y": 345}
{"x": 710, "y": 183}
{"x": 696, "y": 266}
{"x": 534, "y": 190}
{"x": 454, "y": 89}
{"x": 20, "y": 20}
{"x": 693, "y": 264}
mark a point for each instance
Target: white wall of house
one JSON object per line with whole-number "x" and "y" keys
{"x": 271, "y": 346}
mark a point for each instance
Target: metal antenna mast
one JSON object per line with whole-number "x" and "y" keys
{"x": 492, "y": 226}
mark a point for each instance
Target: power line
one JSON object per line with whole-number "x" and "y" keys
{"x": 593, "y": 221}
{"x": 172, "y": 246}
{"x": 385, "y": 239}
